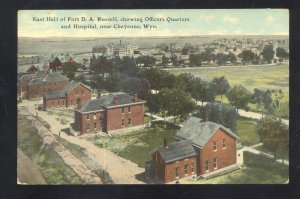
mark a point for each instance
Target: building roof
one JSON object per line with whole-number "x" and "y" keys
{"x": 25, "y": 68}
{"x": 200, "y": 132}
{"x": 40, "y": 74}
{"x": 26, "y": 77}
{"x": 55, "y": 77}
{"x": 36, "y": 81}
{"x": 177, "y": 150}
{"x": 72, "y": 84}
{"x": 106, "y": 101}
{"x": 54, "y": 94}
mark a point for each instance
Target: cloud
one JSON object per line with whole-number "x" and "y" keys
{"x": 269, "y": 19}
{"x": 230, "y": 19}
{"x": 206, "y": 18}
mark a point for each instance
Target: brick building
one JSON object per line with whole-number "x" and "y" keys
{"x": 109, "y": 113}
{"x": 201, "y": 148}
{"x": 73, "y": 94}
{"x": 26, "y": 69}
{"x": 57, "y": 63}
{"x": 34, "y": 86}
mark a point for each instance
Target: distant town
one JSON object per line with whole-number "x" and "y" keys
{"x": 154, "y": 111}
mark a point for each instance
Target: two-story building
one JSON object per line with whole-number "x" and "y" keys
{"x": 109, "y": 113}
{"x": 201, "y": 148}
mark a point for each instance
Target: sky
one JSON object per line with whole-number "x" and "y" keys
{"x": 200, "y": 22}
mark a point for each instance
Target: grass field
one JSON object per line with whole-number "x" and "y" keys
{"x": 50, "y": 164}
{"x": 261, "y": 77}
{"x": 137, "y": 145}
{"x": 246, "y": 130}
{"x": 258, "y": 170}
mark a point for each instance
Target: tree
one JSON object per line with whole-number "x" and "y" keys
{"x": 168, "y": 80}
{"x": 195, "y": 59}
{"x": 203, "y": 91}
{"x": 268, "y": 53}
{"x": 187, "y": 81}
{"x": 220, "y": 113}
{"x": 222, "y": 85}
{"x": 262, "y": 100}
{"x": 221, "y": 59}
{"x": 246, "y": 56}
{"x": 177, "y": 103}
{"x": 128, "y": 66}
{"x": 277, "y": 96}
{"x": 274, "y": 134}
{"x": 281, "y": 53}
{"x": 231, "y": 57}
{"x": 154, "y": 77}
{"x": 69, "y": 70}
{"x": 135, "y": 85}
{"x": 239, "y": 97}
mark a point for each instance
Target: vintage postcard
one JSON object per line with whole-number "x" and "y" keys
{"x": 153, "y": 96}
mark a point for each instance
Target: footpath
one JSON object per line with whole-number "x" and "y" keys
{"x": 88, "y": 176}
{"x": 121, "y": 171}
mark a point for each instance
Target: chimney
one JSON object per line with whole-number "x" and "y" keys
{"x": 135, "y": 97}
{"x": 116, "y": 100}
{"x": 165, "y": 143}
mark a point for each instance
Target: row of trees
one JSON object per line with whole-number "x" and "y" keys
{"x": 177, "y": 96}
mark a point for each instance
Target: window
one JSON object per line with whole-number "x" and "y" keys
{"x": 88, "y": 116}
{"x": 129, "y": 109}
{"x": 122, "y": 122}
{"x": 95, "y": 116}
{"x": 176, "y": 172}
{"x": 215, "y": 145}
{"x": 55, "y": 83}
{"x": 63, "y": 102}
{"x": 224, "y": 143}
{"x": 129, "y": 121}
{"x": 52, "y": 103}
{"x": 207, "y": 165}
{"x": 193, "y": 167}
{"x": 215, "y": 163}
{"x": 58, "y": 102}
{"x": 71, "y": 102}
{"x": 82, "y": 92}
{"x": 186, "y": 169}
{"x": 95, "y": 125}
{"x": 122, "y": 109}
{"x": 88, "y": 127}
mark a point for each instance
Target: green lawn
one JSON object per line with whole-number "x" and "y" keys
{"x": 137, "y": 145}
{"x": 265, "y": 150}
{"x": 262, "y": 77}
{"x": 258, "y": 170}
{"x": 246, "y": 130}
{"x": 51, "y": 165}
